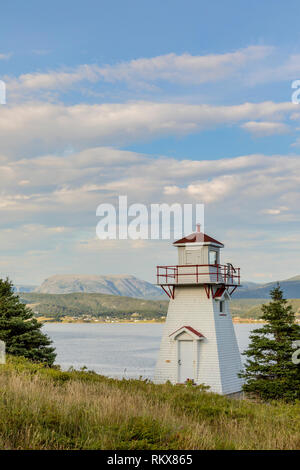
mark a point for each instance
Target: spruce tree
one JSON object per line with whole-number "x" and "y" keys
{"x": 269, "y": 371}
{"x": 20, "y": 331}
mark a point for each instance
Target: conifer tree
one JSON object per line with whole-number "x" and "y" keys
{"x": 269, "y": 371}
{"x": 20, "y": 331}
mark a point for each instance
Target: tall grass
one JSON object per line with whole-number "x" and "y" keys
{"x": 48, "y": 409}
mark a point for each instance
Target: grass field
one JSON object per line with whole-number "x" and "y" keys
{"x": 48, "y": 409}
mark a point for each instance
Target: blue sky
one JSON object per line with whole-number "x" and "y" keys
{"x": 163, "y": 101}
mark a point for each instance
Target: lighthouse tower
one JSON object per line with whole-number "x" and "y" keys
{"x": 199, "y": 341}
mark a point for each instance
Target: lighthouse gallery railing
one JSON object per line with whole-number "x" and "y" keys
{"x": 198, "y": 274}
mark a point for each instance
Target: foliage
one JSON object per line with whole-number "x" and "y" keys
{"x": 269, "y": 371}
{"x": 45, "y": 408}
{"x": 19, "y": 330}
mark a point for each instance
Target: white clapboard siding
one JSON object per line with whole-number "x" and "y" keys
{"x": 198, "y": 275}
{"x": 216, "y": 357}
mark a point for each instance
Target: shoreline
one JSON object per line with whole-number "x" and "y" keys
{"x": 239, "y": 321}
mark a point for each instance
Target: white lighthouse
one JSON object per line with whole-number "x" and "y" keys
{"x": 199, "y": 341}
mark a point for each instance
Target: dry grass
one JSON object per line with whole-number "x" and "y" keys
{"x": 48, "y": 409}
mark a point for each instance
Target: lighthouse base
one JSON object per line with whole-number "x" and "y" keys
{"x": 199, "y": 343}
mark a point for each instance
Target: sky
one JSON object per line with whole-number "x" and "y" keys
{"x": 165, "y": 102}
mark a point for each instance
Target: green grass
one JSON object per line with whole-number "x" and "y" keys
{"x": 42, "y": 408}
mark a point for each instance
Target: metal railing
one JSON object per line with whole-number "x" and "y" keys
{"x": 198, "y": 274}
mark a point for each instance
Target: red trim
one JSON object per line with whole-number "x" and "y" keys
{"x": 170, "y": 292}
{"x": 219, "y": 292}
{"x": 197, "y": 333}
{"x": 230, "y": 293}
{"x": 198, "y": 237}
{"x": 194, "y": 331}
{"x": 207, "y": 290}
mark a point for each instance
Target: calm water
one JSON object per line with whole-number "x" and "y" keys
{"x": 117, "y": 350}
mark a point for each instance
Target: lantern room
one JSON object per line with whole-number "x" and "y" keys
{"x": 199, "y": 262}
{"x": 198, "y": 249}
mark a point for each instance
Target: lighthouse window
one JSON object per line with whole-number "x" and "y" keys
{"x": 221, "y": 306}
{"x": 213, "y": 257}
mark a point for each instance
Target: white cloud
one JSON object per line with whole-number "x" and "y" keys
{"x": 80, "y": 181}
{"x": 5, "y": 56}
{"x": 210, "y": 191}
{"x": 271, "y": 211}
{"x": 264, "y": 128}
{"x": 27, "y": 237}
{"x": 281, "y": 70}
{"x": 47, "y": 127}
{"x": 41, "y": 52}
{"x": 58, "y": 163}
{"x": 184, "y": 69}
{"x": 94, "y": 245}
{"x": 296, "y": 143}
{"x": 53, "y": 215}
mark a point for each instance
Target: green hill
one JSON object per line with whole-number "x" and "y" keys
{"x": 251, "y": 308}
{"x": 113, "y": 307}
{"x": 99, "y": 306}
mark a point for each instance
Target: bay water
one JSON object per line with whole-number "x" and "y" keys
{"x": 116, "y": 349}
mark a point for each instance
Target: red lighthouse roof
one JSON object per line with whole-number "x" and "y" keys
{"x": 198, "y": 237}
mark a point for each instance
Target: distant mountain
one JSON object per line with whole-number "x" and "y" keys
{"x": 24, "y": 288}
{"x": 290, "y": 287}
{"x": 250, "y": 285}
{"x": 295, "y": 278}
{"x": 123, "y": 285}
{"x": 130, "y": 286}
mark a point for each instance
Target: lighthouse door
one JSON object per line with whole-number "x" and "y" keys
{"x": 185, "y": 361}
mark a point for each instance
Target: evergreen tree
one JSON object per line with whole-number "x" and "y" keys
{"x": 20, "y": 331}
{"x": 270, "y": 372}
